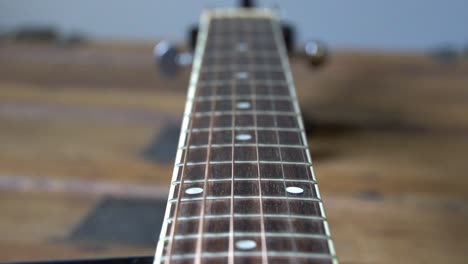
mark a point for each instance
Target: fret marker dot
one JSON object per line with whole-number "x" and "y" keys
{"x": 243, "y": 105}
{"x": 243, "y": 137}
{"x": 242, "y": 75}
{"x": 246, "y": 244}
{"x": 194, "y": 190}
{"x": 242, "y": 47}
{"x": 294, "y": 190}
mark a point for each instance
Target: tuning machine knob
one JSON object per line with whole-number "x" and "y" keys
{"x": 169, "y": 58}
{"x": 315, "y": 52}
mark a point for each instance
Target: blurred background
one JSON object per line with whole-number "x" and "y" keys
{"x": 89, "y": 125}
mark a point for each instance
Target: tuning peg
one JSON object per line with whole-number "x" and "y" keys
{"x": 289, "y": 36}
{"x": 169, "y": 59}
{"x": 316, "y": 52}
{"x": 247, "y": 3}
{"x": 192, "y": 36}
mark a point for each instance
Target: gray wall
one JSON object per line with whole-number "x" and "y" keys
{"x": 397, "y": 24}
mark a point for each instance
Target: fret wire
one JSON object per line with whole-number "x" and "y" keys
{"x": 243, "y": 145}
{"x": 229, "y": 37}
{"x": 262, "y": 218}
{"x": 286, "y": 216}
{"x": 243, "y": 179}
{"x": 226, "y": 43}
{"x": 241, "y": 97}
{"x": 231, "y": 209}
{"x": 286, "y": 129}
{"x": 277, "y": 32}
{"x": 230, "y": 67}
{"x": 230, "y": 50}
{"x": 288, "y": 254}
{"x": 222, "y": 32}
{"x": 219, "y": 113}
{"x": 227, "y": 46}
{"x": 239, "y": 234}
{"x": 227, "y": 13}
{"x": 231, "y": 53}
{"x": 245, "y": 162}
{"x": 229, "y": 81}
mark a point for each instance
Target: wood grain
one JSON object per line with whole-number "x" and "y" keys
{"x": 388, "y": 136}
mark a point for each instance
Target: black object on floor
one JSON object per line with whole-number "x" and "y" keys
{"x": 112, "y": 260}
{"x": 164, "y": 147}
{"x": 122, "y": 221}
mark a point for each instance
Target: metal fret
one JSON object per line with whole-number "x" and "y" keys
{"x": 219, "y": 113}
{"x": 285, "y": 129}
{"x": 245, "y": 162}
{"x": 228, "y": 68}
{"x": 229, "y": 37}
{"x": 280, "y": 216}
{"x": 289, "y": 254}
{"x": 267, "y": 234}
{"x": 232, "y": 53}
{"x": 314, "y": 199}
{"x": 241, "y": 97}
{"x": 244, "y": 179}
{"x": 243, "y": 145}
{"x": 229, "y": 82}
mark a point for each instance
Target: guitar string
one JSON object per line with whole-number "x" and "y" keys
{"x": 233, "y": 138}
{"x": 262, "y": 217}
{"x": 290, "y": 226}
{"x": 201, "y": 224}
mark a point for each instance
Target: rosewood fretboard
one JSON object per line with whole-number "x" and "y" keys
{"x": 243, "y": 189}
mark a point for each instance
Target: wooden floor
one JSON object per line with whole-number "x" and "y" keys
{"x": 388, "y": 136}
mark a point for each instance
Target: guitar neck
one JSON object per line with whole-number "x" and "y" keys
{"x": 243, "y": 187}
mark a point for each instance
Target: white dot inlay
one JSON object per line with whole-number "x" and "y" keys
{"x": 294, "y": 189}
{"x": 194, "y": 190}
{"x": 243, "y": 105}
{"x": 242, "y": 75}
{"x": 242, "y": 47}
{"x": 246, "y": 244}
{"x": 243, "y": 137}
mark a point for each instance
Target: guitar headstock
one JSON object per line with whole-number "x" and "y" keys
{"x": 170, "y": 57}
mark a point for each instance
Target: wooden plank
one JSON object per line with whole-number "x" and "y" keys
{"x": 399, "y": 229}
{"x": 388, "y": 141}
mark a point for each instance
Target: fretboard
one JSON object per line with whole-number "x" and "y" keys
{"x": 243, "y": 188}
